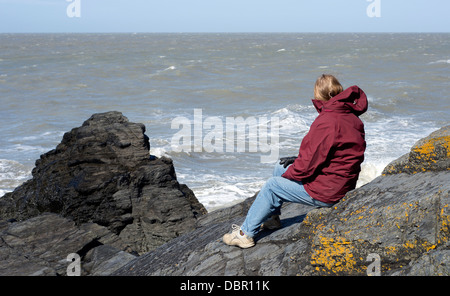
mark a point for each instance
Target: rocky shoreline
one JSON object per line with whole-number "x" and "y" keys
{"x": 100, "y": 195}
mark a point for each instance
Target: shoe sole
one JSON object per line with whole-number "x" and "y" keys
{"x": 243, "y": 246}
{"x": 239, "y": 244}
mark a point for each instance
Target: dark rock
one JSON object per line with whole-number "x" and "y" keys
{"x": 104, "y": 259}
{"x": 101, "y": 174}
{"x": 202, "y": 251}
{"x": 402, "y": 219}
{"x": 40, "y": 245}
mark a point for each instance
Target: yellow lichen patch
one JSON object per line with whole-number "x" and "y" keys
{"x": 415, "y": 244}
{"x": 333, "y": 255}
{"x": 420, "y": 245}
{"x": 427, "y": 148}
{"x": 358, "y": 211}
{"x": 427, "y": 151}
{"x": 391, "y": 250}
{"x": 307, "y": 221}
{"x": 444, "y": 230}
{"x": 408, "y": 246}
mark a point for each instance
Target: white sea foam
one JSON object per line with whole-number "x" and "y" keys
{"x": 28, "y": 148}
{"x": 369, "y": 171}
{"x": 216, "y": 191}
{"x": 12, "y": 174}
{"x": 293, "y": 122}
{"x": 158, "y": 152}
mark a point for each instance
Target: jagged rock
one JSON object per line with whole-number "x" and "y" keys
{"x": 100, "y": 174}
{"x": 401, "y": 219}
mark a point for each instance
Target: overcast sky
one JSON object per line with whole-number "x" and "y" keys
{"x": 224, "y": 16}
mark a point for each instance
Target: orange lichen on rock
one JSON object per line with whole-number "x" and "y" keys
{"x": 333, "y": 255}
{"x": 428, "y": 150}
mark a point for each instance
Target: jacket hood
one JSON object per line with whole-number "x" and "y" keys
{"x": 353, "y": 100}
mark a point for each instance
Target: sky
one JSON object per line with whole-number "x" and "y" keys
{"x": 107, "y": 16}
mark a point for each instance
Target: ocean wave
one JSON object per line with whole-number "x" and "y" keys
{"x": 3, "y": 192}
{"x": 294, "y": 119}
{"x": 159, "y": 74}
{"x": 36, "y": 149}
{"x": 440, "y": 62}
{"x": 158, "y": 152}
{"x": 12, "y": 174}
{"x": 170, "y": 68}
{"x": 387, "y": 140}
{"x": 214, "y": 192}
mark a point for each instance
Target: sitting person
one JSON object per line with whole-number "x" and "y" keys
{"x": 326, "y": 168}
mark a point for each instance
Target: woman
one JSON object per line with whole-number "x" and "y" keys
{"x": 326, "y": 168}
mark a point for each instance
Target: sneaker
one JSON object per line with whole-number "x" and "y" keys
{"x": 238, "y": 238}
{"x": 273, "y": 223}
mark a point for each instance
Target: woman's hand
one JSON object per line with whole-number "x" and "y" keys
{"x": 285, "y": 161}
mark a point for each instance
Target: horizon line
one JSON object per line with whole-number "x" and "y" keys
{"x": 237, "y": 32}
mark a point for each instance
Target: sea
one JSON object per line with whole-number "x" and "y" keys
{"x": 177, "y": 84}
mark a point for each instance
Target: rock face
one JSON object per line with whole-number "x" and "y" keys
{"x": 98, "y": 194}
{"x": 398, "y": 224}
{"x": 41, "y": 245}
{"x": 102, "y": 188}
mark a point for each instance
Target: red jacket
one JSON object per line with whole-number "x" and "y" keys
{"x": 330, "y": 156}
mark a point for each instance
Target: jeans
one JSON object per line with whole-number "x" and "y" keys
{"x": 271, "y": 197}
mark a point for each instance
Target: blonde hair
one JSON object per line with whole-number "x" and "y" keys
{"x": 326, "y": 87}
